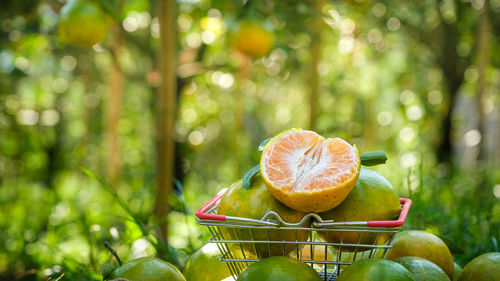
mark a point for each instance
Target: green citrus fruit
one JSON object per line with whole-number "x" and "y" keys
{"x": 422, "y": 244}
{"x": 204, "y": 265}
{"x": 486, "y": 267}
{"x": 147, "y": 269}
{"x": 457, "y": 270}
{"x": 253, "y": 39}
{"x": 83, "y": 23}
{"x": 371, "y": 199}
{"x": 254, "y": 203}
{"x": 279, "y": 269}
{"x": 317, "y": 252}
{"x": 375, "y": 270}
{"x": 422, "y": 269}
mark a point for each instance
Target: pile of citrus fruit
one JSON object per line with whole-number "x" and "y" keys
{"x": 302, "y": 172}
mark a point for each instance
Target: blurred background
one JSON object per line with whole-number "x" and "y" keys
{"x": 417, "y": 79}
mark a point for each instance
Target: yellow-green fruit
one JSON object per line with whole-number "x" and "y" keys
{"x": 279, "y": 269}
{"x": 253, "y": 39}
{"x": 83, "y": 23}
{"x": 486, "y": 267}
{"x": 375, "y": 270}
{"x": 371, "y": 199}
{"x": 147, "y": 269}
{"x": 204, "y": 265}
{"x": 425, "y": 245}
{"x": 422, "y": 269}
{"x": 254, "y": 203}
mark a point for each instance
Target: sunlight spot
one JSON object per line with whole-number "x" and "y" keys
{"x": 27, "y": 117}
{"x": 130, "y": 24}
{"x": 471, "y": 75}
{"x": 95, "y": 228}
{"x": 407, "y": 97}
{"x": 48, "y": 272}
{"x": 59, "y": 85}
{"x": 114, "y": 232}
{"x": 49, "y": 117}
{"x": 68, "y": 63}
{"x": 208, "y": 36}
{"x": 346, "y": 44}
{"x": 374, "y": 35}
{"x": 15, "y": 35}
{"x": 22, "y": 63}
{"x": 185, "y": 22}
{"x": 226, "y": 80}
{"x": 496, "y": 190}
{"x": 409, "y": 159}
{"x": 393, "y": 24}
{"x": 98, "y": 48}
{"x": 379, "y": 9}
{"x": 477, "y": 4}
{"x": 189, "y": 115}
{"x": 193, "y": 40}
{"x": 407, "y": 134}
{"x": 414, "y": 112}
{"x": 384, "y": 118}
{"x": 435, "y": 97}
{"x": 139, "y": 247}
{"x": 347, "y": 26}
{"x": 472, "y": 138}
{"x": 196, "y": 137}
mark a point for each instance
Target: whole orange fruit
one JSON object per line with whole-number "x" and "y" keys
{"x": 375, "y": 270}
{"x": 83, "y": 23}
{"x": 308, "y": 172}
{"x": 147, "y": 269}
{"x": 253, "y": 39}
{"x": 425, "y": 245}
{"x": 279, "y": 269}
{"x": 204, "y": 265}
{"x": 422, "y": 269}
{"x": 254, "y": 203}
{"x": 486, "y": 267}
{"x": 371, "y": 199}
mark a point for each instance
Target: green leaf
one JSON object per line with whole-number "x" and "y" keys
{"x": 247, "y": 178}
{"x": 106, "y": 270}
{"x": 373, "y": 158}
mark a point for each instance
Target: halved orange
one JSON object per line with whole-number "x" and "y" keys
{"x": 307, "y": 172}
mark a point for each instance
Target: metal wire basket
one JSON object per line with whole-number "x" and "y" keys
{"x": 328, "y": 246}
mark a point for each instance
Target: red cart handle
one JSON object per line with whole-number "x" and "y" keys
{"x": 402, "y": 217}
{"x": 201, "y": 213}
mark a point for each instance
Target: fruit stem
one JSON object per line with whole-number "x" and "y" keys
{"x": 113, "y": 252}
{"x": 373, "y": 158}
{"x": 247, "y": 178}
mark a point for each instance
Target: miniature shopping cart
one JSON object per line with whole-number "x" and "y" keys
{"x": 327, "y": 246}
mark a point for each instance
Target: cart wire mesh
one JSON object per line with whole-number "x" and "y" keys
{"x": 328, "y": 246}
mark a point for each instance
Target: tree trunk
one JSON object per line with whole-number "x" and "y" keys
{"x": 453, "y": 79}
{"x": 166, "y": 112}
{"x": 316, "y": 57}
{"x": 483, "y": 57}
{"x": 114, "y": 110}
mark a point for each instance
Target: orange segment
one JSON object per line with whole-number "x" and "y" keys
{"x": 307, "y": 172}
